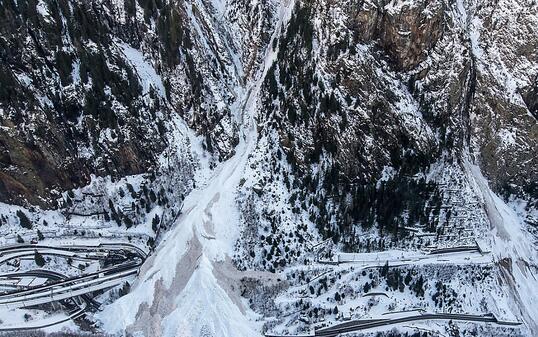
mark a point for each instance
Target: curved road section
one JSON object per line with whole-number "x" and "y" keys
{"x": 123, "y": 260}
{"x": 367, "y": 324}
{"x": 358, "y": 325}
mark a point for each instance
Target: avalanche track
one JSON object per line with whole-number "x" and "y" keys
{"x": 512, "y": 251}
{"x": 186, "y": 288}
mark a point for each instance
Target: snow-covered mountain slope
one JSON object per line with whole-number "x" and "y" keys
{"x": 91, "y": 87}
{"x": 272, "y": 156}
{"x": 190, "y": 287}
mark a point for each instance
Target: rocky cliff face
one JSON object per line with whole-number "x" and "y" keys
{"x": 504, "y": 121}
{"x": 90, "y": 87}
{"x": 368, "y": 92}
{"x": 367, "y": 83}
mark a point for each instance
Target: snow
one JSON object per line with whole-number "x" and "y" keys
{"x": 409, "y": 111}
{"x": 460, "y": 6}
{"x": 75, "y": 73}
{"x": 203, "y": 297}
{"x": 474, "y": 35}
{"x": 182, "y": 290}
{"x": 414, "y": 258}
{"x": 12, "y": 319}
{"x": 456, "y": 273}
{"x": 508, "y": 137}
{"x": 516, "y": 255}
{"x": 145, "y": 71}
{"x": 43, "y": 10}
{"x": 75, "y": 225}
{"x": 196, "y": 302}
{"x": 24, "y": 79}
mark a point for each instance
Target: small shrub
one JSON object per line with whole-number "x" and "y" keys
{"x": 38, "y": 258}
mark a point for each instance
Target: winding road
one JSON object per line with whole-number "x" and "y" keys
{"x": 359, "y": 325}
{"x": 353, "y": 326}
{"x": 59, "y": 287}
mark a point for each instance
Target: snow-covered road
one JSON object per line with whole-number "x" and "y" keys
{"x": 399, "y": 257}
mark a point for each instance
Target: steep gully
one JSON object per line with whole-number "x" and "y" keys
{"x": 512, "y": 250}
{"x": 179, "y": 291}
